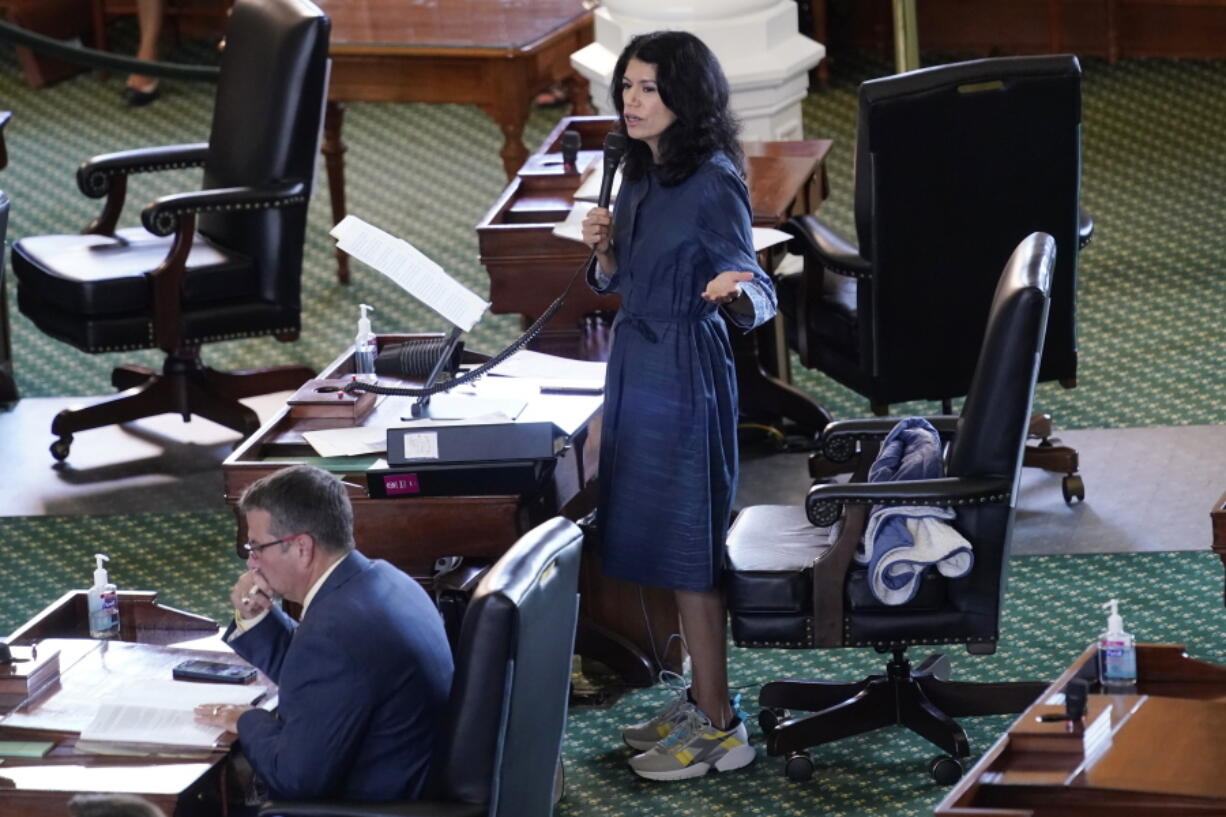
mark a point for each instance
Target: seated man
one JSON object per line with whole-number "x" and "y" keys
{"x": 364, "y": 676}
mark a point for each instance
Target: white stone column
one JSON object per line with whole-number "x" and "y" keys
{"x": 765, "y": 58}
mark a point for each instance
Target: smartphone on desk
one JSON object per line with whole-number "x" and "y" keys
{"x": 215, "y": 671}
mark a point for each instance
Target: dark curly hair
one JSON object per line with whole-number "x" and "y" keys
{"x": 694, "y": 88}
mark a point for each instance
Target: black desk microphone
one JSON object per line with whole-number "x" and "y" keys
{"x": 571, "y": 142}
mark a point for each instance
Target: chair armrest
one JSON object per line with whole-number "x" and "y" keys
{"x": 817, "y": 242}
{"x": 162, "y": 215}
{"x": 405, "y": 808}
{"x": 95, "y": 176}
{"x": 840, "y": 437}
{"x": 823, "y": 503}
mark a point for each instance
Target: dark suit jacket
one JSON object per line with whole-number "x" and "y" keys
{"x": 363, "y": 680}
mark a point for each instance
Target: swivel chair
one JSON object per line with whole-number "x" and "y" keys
{"x": 954, "y": 165}
{"x": 791, "y": 585}
{"x": 175, "y": 288}
{"x": 500, "y": 748}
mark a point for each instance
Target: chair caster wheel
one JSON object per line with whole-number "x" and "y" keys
{"x": 945, "y": 770}
{"x": 59, "y": 448}
{"x": 799, "y": 767}
{"x": 769, "y": 719}
{"x": 1073, "y": 488}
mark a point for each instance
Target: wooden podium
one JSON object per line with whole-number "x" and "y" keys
{"x": 1156, "y": 752}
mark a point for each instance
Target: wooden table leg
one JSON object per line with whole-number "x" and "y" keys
{"x": 579, "y": 92}
{"x": 513, "y": 152}
{"x": 334, "y": 158}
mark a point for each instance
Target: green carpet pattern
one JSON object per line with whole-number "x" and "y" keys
{"x": 1051, "y": 614}
{"x": 1151, "y": 292}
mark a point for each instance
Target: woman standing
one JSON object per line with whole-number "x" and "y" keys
{"x": 679, "y": 252}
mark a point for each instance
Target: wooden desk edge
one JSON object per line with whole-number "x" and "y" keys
{"x": 1156, "y": 663}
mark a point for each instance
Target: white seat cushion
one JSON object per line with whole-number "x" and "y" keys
{"x": 775, "y": 538}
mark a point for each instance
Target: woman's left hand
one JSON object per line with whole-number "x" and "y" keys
{"x": 725, "y": 287}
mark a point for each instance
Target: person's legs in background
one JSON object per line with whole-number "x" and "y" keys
{"x": 141, "y": 90}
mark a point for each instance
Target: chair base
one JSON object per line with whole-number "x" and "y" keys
{"x": 185, "y": 386}
{"x": 921, "y": 699}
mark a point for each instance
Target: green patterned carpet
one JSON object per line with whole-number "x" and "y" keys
{"x": 1151, "y": 294}
{"x": 1152, "y": 297}
{"x": 1051, "y": 614}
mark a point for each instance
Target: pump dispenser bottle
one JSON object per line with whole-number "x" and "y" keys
{"x": 1117, "y": 655}
{"x": 103, "y": 604}
{"x": 364, "y": 348}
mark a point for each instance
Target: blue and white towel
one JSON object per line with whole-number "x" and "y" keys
{"x": 901, "y": 540}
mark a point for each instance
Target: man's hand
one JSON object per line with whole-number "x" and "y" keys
{"x": 725, "y": 287}
{"x": 224, "y": 716}
{"x": 251, "y": 594}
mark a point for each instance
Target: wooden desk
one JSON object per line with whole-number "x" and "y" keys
{"x": 1217, "y": 518}
{"x": 487, "y": 53}
{"x": 529, "y": 266}
{"x": 413, "y": 532}
{"x": 41, "y": 787}
{"x": 1165, "y": 755}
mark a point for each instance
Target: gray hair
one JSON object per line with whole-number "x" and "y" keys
{"x": 304, "y": 499}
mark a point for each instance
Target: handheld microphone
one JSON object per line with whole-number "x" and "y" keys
{"x": 571, "y": 142}
{"x": 614, "y": 148}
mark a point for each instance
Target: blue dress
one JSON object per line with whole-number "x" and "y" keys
{"x": 668, "y": 451}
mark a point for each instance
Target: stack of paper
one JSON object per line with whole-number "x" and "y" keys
{"x": 153, "y": 715}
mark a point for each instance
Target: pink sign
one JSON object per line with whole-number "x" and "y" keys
{"x": 401, "y": 484}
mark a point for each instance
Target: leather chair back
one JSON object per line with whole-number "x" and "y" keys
{"x": 955, "y": 165}
{"x": 512, "y": 678}
{"x": 272, "y": 89}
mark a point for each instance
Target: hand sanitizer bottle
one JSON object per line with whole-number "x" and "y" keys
{"x": 103, "y": 604}
{"x": 1117, "y": 655}
{"x": 364, "y": 347}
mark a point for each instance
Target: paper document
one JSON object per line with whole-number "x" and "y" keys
{"x": 546, "y": 368}
{"x": 412, "y": 270}
{"x": 764, "y": 237}
{"x": 572, "y": 228}
{"x": 162, "y": 713}
{"x": 348, "y": 442}
{"x": 589, "y": 189}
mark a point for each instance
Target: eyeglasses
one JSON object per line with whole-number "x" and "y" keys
{"x": 251, "y": 549}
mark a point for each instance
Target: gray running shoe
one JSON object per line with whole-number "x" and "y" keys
{"x": 694, "y": 747}
{"x": 642, "y": 736}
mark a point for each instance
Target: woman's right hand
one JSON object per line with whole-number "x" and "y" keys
{"x": 598, "y": 229}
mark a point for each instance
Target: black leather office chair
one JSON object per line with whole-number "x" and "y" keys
{"x": 821, "y": 598}
{"x": 955, "y": 164}
{"x": 8, "y": 387}
{"x": 175, "y": 288}
{"x": 501, "y": 743}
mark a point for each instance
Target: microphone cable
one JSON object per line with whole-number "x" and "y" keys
{"x": 529, "y": 334}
